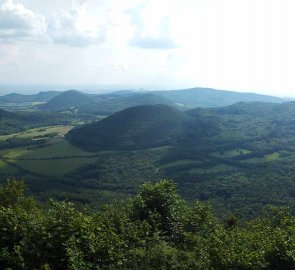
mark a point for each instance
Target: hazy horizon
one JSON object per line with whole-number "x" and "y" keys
{"x": 28, "y": 89}
{"x": 236, "y": 45}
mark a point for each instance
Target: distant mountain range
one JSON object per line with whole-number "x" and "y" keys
{"x": 19, "y": 98}
{"x": 207, "y": 97}
{"x": 109, "y": 103}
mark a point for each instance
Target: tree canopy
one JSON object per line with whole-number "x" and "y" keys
{"x": 156, "y": 229}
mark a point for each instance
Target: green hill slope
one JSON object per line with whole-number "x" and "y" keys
{"x": 134, "y": 128}
{"x": 66, "y": 100}
{"x": 161, "y": 125}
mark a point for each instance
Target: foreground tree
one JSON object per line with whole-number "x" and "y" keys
{"x": 154, "y": 230}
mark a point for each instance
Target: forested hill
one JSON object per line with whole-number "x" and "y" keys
{"x": 239, "y": 157}
{"x": 105, "y": 104}
{"x": 138, "y": 127}
{"x": 160, "y": 125}
{"x": 67, "y": 100}
{"x": 12, "y": 122}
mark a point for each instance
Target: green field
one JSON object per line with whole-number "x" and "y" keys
{"x": 36, "y": 132}
{"x": 231, "y": 153}
{"x": 60, "y": 149}
{"x": 7, "y": 169}
{"x": 267, "y": 158}
{"x": 57, "y": 158}
{"x": 14, "y": 152}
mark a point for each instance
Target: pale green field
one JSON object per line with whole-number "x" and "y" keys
{"x": 42, "y": 131}
{"x": 267, "y": 158}
{"x": 46, "y": 160}
{"x": 54, "y": 167}
{"x": 272, "y": 157}
{"x": 60, "y": 149}
{"x": 14, "y": 152}
{"x": 215, "y": 169}
{"x": 231, "y": 153}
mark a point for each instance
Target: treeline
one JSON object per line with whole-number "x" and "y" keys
{"x": 156, "y": 229}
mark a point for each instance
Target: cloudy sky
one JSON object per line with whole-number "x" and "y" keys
{"x": 245, "y": 45}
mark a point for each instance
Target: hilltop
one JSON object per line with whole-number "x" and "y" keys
{"x": 162, "y": 125}
{"x": 66, "y": 100}
{"x": 133, "y": 128}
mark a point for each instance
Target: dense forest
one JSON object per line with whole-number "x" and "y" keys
{"x": 155, "y": 229}
{"x": 239, "y": 158}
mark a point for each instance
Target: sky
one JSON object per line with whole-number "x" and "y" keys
{"x": 243, "y": 45}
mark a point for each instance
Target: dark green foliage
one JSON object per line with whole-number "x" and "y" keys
{"x": 240, "y": 157}
{"x": 154, "y": 230}
{"x": 12, "y": 122}
{"x": 141, "y": 127}
{"x": 161, "y": 208}
{"x": 134, "y": 128}
{"x": 216, "y": 129}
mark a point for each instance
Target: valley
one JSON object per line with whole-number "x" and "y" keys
{"x": 147, "y": 135}
{"x": 238, "y": 158}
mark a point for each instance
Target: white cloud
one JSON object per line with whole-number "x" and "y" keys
{"x": 151, "y": 28}
{"x": 230, "y": 44}
{"x": 19, "y": 23}
{"x": 77, "y": 28}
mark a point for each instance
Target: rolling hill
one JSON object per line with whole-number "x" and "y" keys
{"x": 239, "y": 157}
{"x": 208, "y": 97}
{"x": 11, "y": 122}
{"x": 161, "y": 125}
{"x": 66, "y": 100}
{"x": 133, "y": 128}
{"x": 19, "y": 98}
{"x": 106, "y": 104}
{"x": 117, "y": 101}
{"x": 103, "y": 104}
